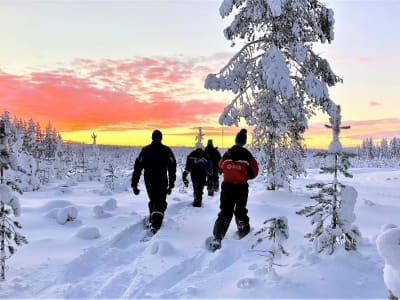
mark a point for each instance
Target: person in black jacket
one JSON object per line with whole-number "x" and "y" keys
{"x": 198, "y": 165}
{"x": 159, "y": 165}
{"x": 238, "y": 166}
{"x": 213, "y": 178}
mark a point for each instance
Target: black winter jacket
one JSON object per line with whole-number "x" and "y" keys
{"x": 159, "y": 164}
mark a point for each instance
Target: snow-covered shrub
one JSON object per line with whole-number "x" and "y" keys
{"x": 88, "y": 233}
{"x": 275, "y": 230}
{"x": 67, "y": 214}
{"x": 388, "y": 245}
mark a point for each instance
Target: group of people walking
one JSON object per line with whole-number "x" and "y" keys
{"x": 204, "y": 166}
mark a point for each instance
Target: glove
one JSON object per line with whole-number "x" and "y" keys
{"x": 184, "y": 178}
{"x": 136, "y": 191}
{"x": 169, "y": 189}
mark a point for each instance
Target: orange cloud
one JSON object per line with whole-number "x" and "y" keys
{"x": 110, "y": 94}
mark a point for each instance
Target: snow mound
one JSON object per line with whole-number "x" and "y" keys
{"x": 110, "y": 204}
{"x": 54, "y": 204}
{"x": 163, "y": 248}
{"x": 88, "y": 233}
{"x": 388, "y": 245}
{"x": 67, "y": 214}
{"x": 100, "y": 213}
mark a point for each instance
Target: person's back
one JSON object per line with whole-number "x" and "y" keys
{"x": 198, "y": 163}
{"x": 156, "y": 159}
{"x": 238, "y": 165}
{"x": 213, "y": 179}
{"x": 159, "y": 165}
{"x": 213, "y": 154}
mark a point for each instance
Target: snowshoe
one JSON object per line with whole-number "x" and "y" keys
{"x": 213, "y": 244}
{"x": 146, "y": 236}
{"x": 243, "y": 230}
{"x": 146, "y": 222}
{"x": 153, "y": 229}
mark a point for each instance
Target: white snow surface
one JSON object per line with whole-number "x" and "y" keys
{"x": 67, "y": 261}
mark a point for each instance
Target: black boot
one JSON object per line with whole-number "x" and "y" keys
{"x": 215, "y": 244}
{"x": 197, "y": 203}
{"x": 243, "y": 229}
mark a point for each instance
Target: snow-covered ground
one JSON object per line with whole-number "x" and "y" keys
{"x": 68, "y": 261}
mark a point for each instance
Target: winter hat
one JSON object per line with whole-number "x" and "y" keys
{"x": 241, "y": 138}
{"x": 210, "y": 143}
{"x": 157, "y": 135}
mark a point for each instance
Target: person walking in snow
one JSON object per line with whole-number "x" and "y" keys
{"x": 198, "y": 166}
{"x": 238, "y": 166}
{"x": 159, "y": 165}
{"x": 213, "y": 178}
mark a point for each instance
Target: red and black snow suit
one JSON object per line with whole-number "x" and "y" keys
{"x": 199, "y": 166}
{"x": 237, "y": 165}
{"x": 159, "y": 165}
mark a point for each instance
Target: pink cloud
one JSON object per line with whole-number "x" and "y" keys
{"x": 375, "y": 103}
{"x": 138, "y": 93}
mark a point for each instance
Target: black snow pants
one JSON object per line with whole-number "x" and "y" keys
{"x": 213, "y": 183}
{"x": 233, "y": 201}
{"x": 198, "y": 181}
{"x": 157, "y": 192}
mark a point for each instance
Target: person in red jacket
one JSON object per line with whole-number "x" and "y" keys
{"x": 238, "y": 166}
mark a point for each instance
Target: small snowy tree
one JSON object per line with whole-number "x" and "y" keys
{"x": 94, "y": 137}
{"x": 277, "y": 231}
{"x": 335, "y": 201}
{"x": 110, "y": 178}
{"x": 199, "y": 138}
{"x": 278, "y": 80}
{"x": 9, "y": 204}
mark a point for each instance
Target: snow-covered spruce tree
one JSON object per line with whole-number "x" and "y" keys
{"x": 333, "y": 214}
{"x": 9, "y": 204}
{"x": 278, "y": 80}
{"x": 275, "y": 230}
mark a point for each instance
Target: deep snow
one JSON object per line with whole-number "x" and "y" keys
{"x": 70, "y": 261}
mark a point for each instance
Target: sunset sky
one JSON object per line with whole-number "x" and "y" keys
{"x": 123, "y": 68}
